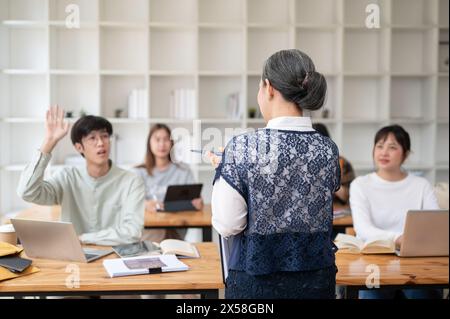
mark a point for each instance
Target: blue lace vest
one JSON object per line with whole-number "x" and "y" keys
{"x": 287, "y": 179}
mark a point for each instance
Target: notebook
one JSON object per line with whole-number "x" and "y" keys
{"x": 143, "y": 265}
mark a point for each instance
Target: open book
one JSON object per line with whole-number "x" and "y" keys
{"x": 143, "y": 265}
{"x": 352, "y": 245}
{"x": 182, "y": 249}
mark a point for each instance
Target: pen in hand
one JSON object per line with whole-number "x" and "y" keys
{"x": 205, "y": 152}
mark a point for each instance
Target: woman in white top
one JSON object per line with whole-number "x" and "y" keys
{"x": 379, "y": 201}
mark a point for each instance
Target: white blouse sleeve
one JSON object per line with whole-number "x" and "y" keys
{"x": 229, "y": 209}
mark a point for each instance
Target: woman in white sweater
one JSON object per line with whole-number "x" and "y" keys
{"x": 379, "y": 201}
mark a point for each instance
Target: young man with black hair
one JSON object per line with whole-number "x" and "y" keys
{"x": 103, "y": 202}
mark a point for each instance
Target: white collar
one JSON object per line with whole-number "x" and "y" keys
{"x": 291, "y": 123}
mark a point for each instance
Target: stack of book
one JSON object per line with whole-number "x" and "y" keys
{"x": 138, "y": 104}
{"x": 182, "y": 104}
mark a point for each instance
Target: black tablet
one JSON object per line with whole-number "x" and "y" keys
{"x": 179, "y": 197}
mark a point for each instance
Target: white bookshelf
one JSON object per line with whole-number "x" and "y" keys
{"x": 394, "y": 74}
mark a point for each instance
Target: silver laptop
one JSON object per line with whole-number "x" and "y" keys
{"x": 425, "y": 234}
{"x": 53, "y": 240}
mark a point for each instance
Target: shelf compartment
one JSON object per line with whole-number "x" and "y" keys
{"x": 268, "y": 11}
{"x": 319, "y": 12}
{"x": 73, "y": 49}
{"x": 33, "y": 134}
{"x": 221, "y": 50}
{"x": 35, "y": 10}
{"x": 412, "y": 51}
{"x": 129, "y": 47}
{"x": 170, "y": 11}
{"x": 28, "y": 96}
{"x": 413, "y": 12}
{"x": 124, "y": 10}
{"x": 252, "y": 97}
{"x": 411, "y": 98}
{"x": 329, "y": 110}
{"x": 322, "y": 47}
{"x": 75, "y": 93}
{"x": 365, "y": 98}
{"x": 115, "y": 90}
{"x": 221, "y": 11}
{"x": 11, "y": 204}
{"x": 262, "y": 43}
{"x": 421, "y": 148}
{"x": 165, "y": 48}
{"x": 161, "y": 88}
{"x": 28, "y": 48}
{"x": 130, "y": 143}
{"x": 213, "y": 95}
{"x": 357, "y": 143}
{"x": 365, "y": 51}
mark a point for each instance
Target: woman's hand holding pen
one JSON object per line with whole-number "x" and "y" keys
{"x": 214, "y": 159}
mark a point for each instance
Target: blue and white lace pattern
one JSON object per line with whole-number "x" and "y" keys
{"x": 287, "y": 179}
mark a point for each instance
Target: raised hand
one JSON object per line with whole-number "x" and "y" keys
{"x": 55, "y": 128}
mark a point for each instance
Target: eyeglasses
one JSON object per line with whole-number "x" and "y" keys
{"x": 92, "y": 138}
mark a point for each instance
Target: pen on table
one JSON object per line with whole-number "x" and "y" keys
{"x": 204, "y": 152}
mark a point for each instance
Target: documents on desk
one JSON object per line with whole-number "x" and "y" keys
{"x": 143, "y": 265}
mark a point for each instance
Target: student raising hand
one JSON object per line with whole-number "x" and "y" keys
{"x": 55, "y": 128}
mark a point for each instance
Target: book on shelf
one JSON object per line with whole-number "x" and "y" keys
{"x": 234, "y": 106}
{"x": 351, "y": 245}
{"x": 138, "y": 104}
{"x": 182, "y": 104}
{"x": 182, "y": 249}
{"x": 143, "y": 265}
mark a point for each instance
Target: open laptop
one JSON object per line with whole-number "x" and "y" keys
{"x": 179, "y": 197}
{"x": 53, "y": 240}
{"x": 425, "y": 234}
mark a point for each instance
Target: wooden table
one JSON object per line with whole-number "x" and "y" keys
{"x": 395, "y": 272}
{"x": 198, "y": 219}
{"x": 204, "y": 277}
